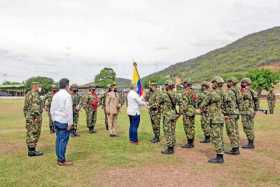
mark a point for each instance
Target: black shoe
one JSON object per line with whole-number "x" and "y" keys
{"x": 189, "y": 144}
{"x": 52, "y": 130}
{"x": 32, "y": 152}
{"x": 206, "y": 140}
{"x": 218, "y": 160}
{"x": 233, "y": 151}
{"x": 155, "y": 140}
{"x": 250, "y": 145}
{"x": 168, "y": 151}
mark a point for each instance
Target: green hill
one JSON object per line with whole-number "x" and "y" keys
{"x": 235, "y": 59}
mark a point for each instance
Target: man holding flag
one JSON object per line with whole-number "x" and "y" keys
{"x": 135, "y": 100}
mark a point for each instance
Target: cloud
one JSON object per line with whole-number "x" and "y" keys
{"x": 64, "y": 34}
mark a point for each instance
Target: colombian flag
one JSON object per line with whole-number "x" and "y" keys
{"x": 136, "y": 80}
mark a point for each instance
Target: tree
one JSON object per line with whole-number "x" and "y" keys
{"x": 263, "y": 79}
{"x": 46, "y": 83}
{"x": 11, "y": 83}
{"x": 105, "y": 77}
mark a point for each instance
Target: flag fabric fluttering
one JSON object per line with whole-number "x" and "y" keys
{"x": 136, "y": 80}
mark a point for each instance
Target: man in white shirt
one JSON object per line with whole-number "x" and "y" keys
{"x": 134, "y": 102}
{"x": 62, "y": 116}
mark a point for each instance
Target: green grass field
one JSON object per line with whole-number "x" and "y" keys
{"x": 95, "y": 155}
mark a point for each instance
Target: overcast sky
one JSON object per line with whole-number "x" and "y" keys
{"x": 76, "y": 38}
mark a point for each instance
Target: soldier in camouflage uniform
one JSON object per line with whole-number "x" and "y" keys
{"x": 231, "y": 113}
{"x": 214, "y": 103}
{"x": 204, "y": 121}
{"x": 154, "y": 111}
{"x": 249, "y": 104}
{"x": 187, "y": 104}
{"x": 168, "y": 101}
{"x": 33, "y": 109}
{"x": 90, "y": 104}
{"x": 271, "y": 100}
{"x": 48, "y": 101}
{"x": 77, "y": 105}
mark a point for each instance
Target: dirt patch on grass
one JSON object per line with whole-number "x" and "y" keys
{"x": 252, "y": 167}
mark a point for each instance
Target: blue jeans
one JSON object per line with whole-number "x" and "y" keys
{"x": 134, "y": 124}
{"x": 62, "y": 137}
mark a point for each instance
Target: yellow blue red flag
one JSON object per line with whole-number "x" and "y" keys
{"x": 136, "y": 80}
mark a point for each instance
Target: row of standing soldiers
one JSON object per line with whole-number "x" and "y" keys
{"x": 217, "y": 107}
{"x": 90, "y": 102}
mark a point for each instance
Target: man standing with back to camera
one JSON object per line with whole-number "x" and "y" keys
{"x": 62, "y": 115}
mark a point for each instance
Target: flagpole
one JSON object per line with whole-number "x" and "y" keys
{"x": 135, "y": 65}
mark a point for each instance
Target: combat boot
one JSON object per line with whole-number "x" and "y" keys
{"x": 233, "y": 151}
{"x": 206, "y": 140}
{"x": 250, "y": 145}
{"x": 91, "y": 130}
{"x": 218, "y": 160}
{"x": 32, "y": 152}
{"x": 168, "y": 151}
{"x": 189, "y": 144}
{"x": 155, "y": 139}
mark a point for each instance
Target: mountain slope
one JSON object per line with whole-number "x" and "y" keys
{"x": 234, "y": 59}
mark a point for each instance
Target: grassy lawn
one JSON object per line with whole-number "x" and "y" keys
{"x": 94, "y": 153}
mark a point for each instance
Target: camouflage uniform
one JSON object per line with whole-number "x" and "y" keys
{"x": 187, "y": 104}
{"x": 204, "y": 121}
{"x": 48, "y": 101}
{"x": 91, "y": 112}
{"x": 271, "y": 100}
{"x": 231, "y": 117}
{"x": 77, "y": 104}
{"x": 33, "y": 109}
{"x": 155, "y": 113}
{"x": 214, "y": 102}
{"x": 247, "y": 113}
{"x": 169, "y": 117}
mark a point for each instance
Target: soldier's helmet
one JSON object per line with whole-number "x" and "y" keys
{"x": 218, "y": 79}
{"x": 205, "y": 83}
{"x": 232, "y": 79}
{"x": 74, "y": 87}
{"x": 246, "y": 80}
{"x": 54, "y": 87}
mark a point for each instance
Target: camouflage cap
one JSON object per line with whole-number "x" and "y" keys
{"x": 232, "y": 79}
{"x": 54, "y": 87}
{"x": 74, "y": 87}
{"x": 152, "y": 83}
{"x": 113, "y": 84}
{"x": 169, "y": 82}
{"x": 246, "y": 80}
{"x": 187, "y": 80}
{"x": 218, "y": 79}
{"x": 35, "y": 83}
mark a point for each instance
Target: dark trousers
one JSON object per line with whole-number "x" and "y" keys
{"x": 62, "y": 137}
{"x": 134, "y": 123}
